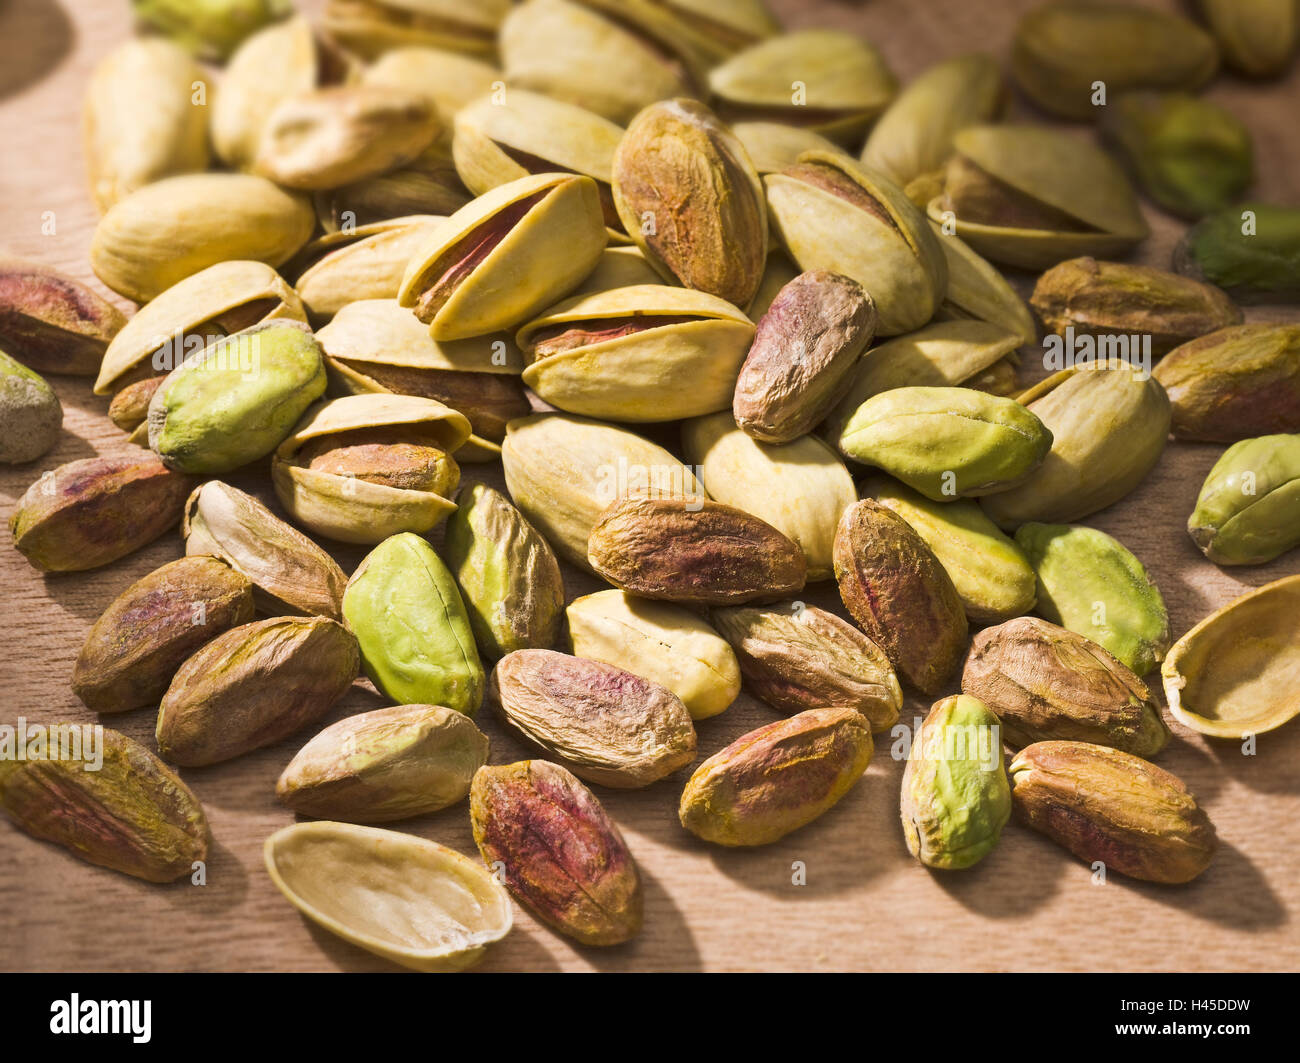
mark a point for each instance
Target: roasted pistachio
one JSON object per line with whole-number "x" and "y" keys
{"x": 52, "y": 323}
{"x": 775, "y": 146}
{"x": 450, "y": 79}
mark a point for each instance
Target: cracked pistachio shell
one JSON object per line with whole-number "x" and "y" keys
{"x": 563, "y": 471}
{"x": 1108, "y": 427}
{"x": 991, "y": 573}
{"x": 799, "y": 488}
{"x": 691, "y": 200}
{"x": 367, "y": 262}
{"x": 211, "y": 29}
{"x": 955, "y": 798}
{"x": 409, "y": 900}
{"x": 1257, "y": 37}
{"x": 238, "y": 400}
{"x": 830, "y": 213}
{"x": 142, "y": 122}
{"x": 977, "y": 290}
{"x": 507, "y": 574}
{"x": 219, "y": 301}
{"x": 845, "y": 82}
{"x": 774, "y": 146}
{"x": 289, "y": 572}
{"x": 659, "y": 641}
{"x": 1237, "y": 672}
{"x": 371, "y": 28}
{"x": 352, "y": 509}
{"x": 621, "y": 355}
{"x": 1109, "y": 807}
{"x": 133, "y": 814}
{"x": 52, "y": 323}
{"x": 947, "y": 442}
{"x": 618, "y": 267}
{"x": 506, "y": 255}
{"x": 913, "y": 137}
{"x": 1090, "y": 583}
{"x": 385, "y": 765}
{"x": 796, "y": 656}
{"x": 410, "y": 621}
{"x": 777, "y": 778}
{"x": 1029, "y": 197}
{"x": 1248, "y": 511}
{"x": 31, "y": 416}
{"x": 173, "y": 228}
{"x": 1061, "y": 50}
{"x": 569, "y": 51}
{"x": 449, "y": 79}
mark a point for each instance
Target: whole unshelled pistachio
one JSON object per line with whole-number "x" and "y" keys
{"x": 1251, "y": 250}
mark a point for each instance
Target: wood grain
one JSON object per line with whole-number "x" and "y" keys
{"x": 865, "y": 906}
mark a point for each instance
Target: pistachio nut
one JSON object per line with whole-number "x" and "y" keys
{"x": 572, "y": 52}
{"x": 129, "y": 409}
{"x": 508, "y": 576}
{"x": 664, "y": 643}
{"x": 1248, "y": 511}
{"x": 152, "y": 627}
{"x": 1235, "y": 383}
{"x": 451, "y": 80}
{"x": 955, "y": 798}
{"x": 697, "y": 551}
{"x": 129, "y": 812}
{"x": 708, "y": 31}
{"x": 1109, "y": 428}
{"x": 992, "y": 575}
{"x": 799, "y": 488}
{"x": 623, "y": 354}
{"x": 913, "y": 138}
{"x": 289, "y": 572}
{"x": 561, "y": 855}
{"x": 1029, "y": 196}
{"x": 31, "y": 415}
{"x": 367, "y": 262}
{"x": 211, "y": 29}
{"x": 1062, "y": 50}
{"x": 404, "y": 898}
{"x": 505, "y": 255}
{"x": 254, "y": 685}
{"x": 173, "y": 228}
{"x": 777, "y": 778}
{"x": 1189, "y": 155}
{"x": 901, "y": 596}
{"x": 364, "y": 467}
{"x": 977, "y": 290}
{"x": 236, "y": 401}
{"x": 563, "y": 471}
{"x": 1252, "y": 251}
{"x": 1117, "y": 299}
{"x": 216, "y": 302}
{"x": 384, "y": 765}
{"x": 947, "y": 442}
{"x": 828, "y": 80}
{"x": 775, "y": 146}
{"x": 1234, "y": 673}
{"x": 1045, "y": 681}
{"x": 1112, "y": 808}
{"x": 618, "y": 267}
{"x": 142, "y": 119}
{"x": 52, "y": 323}
{"x": 807, "y": 343}
{"x": 1090, "y": 583}
{"x": 371, "y": 27}
{"x": 427, "y": 185}
{"x": 691, "y": 200}
{"x": 795, "y": 656}
{"x": 609, "y": 726}
{"x": 92, "y": 512}
{"x": 409, "y": 619}
{"x": 1257, "y": 37}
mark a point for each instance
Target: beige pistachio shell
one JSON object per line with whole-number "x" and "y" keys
{"x": 638, "y": 377}
{"x": 800, "y": 488}
{"x": 619, "y": 267}
{"x": 218, "y": 301}
{"x": 778, "y": 272}
{"x": 1237, "y": 672}
{"x": 707, "y": 31}
{"x": 373, "y": 27}
{"x": 449, "y": 79}
{"x": 404, "y": 898}
{"x": 977, "y": 290}
{"x": 772, "y": 146}
{"x": 142, "y": 118}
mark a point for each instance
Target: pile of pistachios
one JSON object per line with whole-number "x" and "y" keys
{"x": 430, "y": 234}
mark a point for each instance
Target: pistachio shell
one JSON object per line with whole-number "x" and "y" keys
{"x": 1248, "y": 511}
{"x": 1257, "y": 37}
{"x": 371, "y": 28}
{"x": 52, "y": 323}
{"x": 427, "y": 185}
{"x": 777, "y": 273}
{"x": 449, "y": 79}
{"x": 30, "y": 414}
{"x": 409, "y": 900}
{"x": 211, "y": 29}
{"x": 1237, "y": 672}
{"x": 619, "y": 267}
{"x": 977, "y": 290}
{"x": 775, "y": 146}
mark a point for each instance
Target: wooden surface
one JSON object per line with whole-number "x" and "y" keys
{"x": 865, "y": 905}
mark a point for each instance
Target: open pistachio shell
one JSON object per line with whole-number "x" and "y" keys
{"x": 216, "y": 302}
{"x": 506, "y": 255}
{"x": 1237, "y": 672}
{"x": 620, "y": 267}
{"x": 774, "y": 146}
{"x": 404, "y": 898}
{"x": 778, "y": 272}
{"x": 977, "y": 290}
{"x": 371, "y": 27}
{"x": 623, "y": 354}
{"x": 708, "y": 31}
{"x": 449, "y": 79}
{"x": 351, "y": 509}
